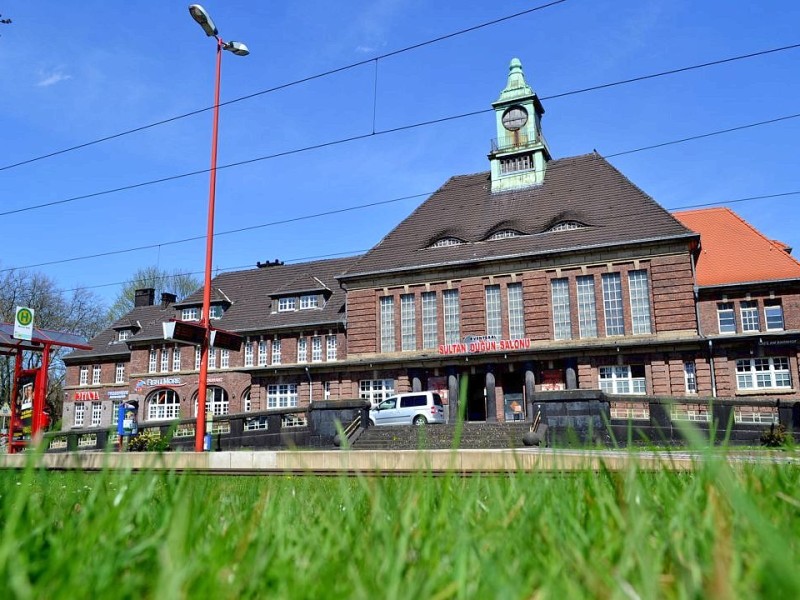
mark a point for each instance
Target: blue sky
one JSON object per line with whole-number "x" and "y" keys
{"x": 72, "y": 72}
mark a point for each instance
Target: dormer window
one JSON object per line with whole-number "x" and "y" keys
{"x": 445, "y": 242}
{"x": 123, "y": 334}
{"x": 287, "y": 304}
{"x": 216, "y": 312}
{"x": 190, "y": 314}
{"x": 504, "y": 234}
{"x": 566, "y": 226}
{"x": 309, "y": 301}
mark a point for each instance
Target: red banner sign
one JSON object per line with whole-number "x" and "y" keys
{"x": 86, "y": 396}
{"x": 485, "y": 346}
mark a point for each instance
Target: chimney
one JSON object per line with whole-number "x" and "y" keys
{"x": 144, "y": 297}
{"x": 167, "y": 299}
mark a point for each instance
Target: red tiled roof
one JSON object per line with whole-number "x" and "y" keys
{"x": 733, "y": 251}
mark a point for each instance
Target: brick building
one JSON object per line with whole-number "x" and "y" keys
{"x": 540, "y": 274}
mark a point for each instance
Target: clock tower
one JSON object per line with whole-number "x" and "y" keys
{"x": 519, "y": 153}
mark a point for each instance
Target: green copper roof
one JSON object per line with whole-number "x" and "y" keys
{"x": 516, "y": 87}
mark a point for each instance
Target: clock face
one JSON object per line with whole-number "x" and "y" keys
{"x": 515, "y": 118}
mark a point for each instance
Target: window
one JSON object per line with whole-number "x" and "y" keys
{"x": 375, "y": 390}
{"x": 516, "y": 317}
{"x": 302, "y": 350}
{"x": 773, "y": 315}
{"x": 308, "y": 301}
{"x": 749, "y": 311}
{"x": 512, "y": 164}
{"x": 408, "y": 323}
{"x": 124, "y": 335}
{"x": 429, "y": 325}
{"x": 331, "y": 348}
{"x": 262, "y": 353}
{"x": 762, "y": 415}
{"x": 623, "y": 379}
{"x": 164, "y": 359}
{"x": 445, "y": 242}
{"x": 387, "y": 324}
{"x": 247, "y": 403}
{"x": 566, "y": 226}
{"x": 162, "y": 405}
{"x": 286, "y": 304}
{"x": 494, "y": 325}
{"x": 216, "y": 401}
{"x": 452, "y": 317}
{"x": 176, "y": 358}
{"x": 587, "y": 308}
{"x": 763, "y": 373}
{"x": 282, "y": 395}
{"x": 80, "y": 414}
{"x": 276, "y": 352}
{"x": 612, "y": 304}
{"x": 504, "y": 234}
{"x": 153, "y": 362}
{"x": 225, "y": 358}
{"x": 726, "y": 318}
{"x": 690, "y": 412}
{"x": 690, "y": 377}
{"x": 84, "y": 377}
{"x": 190, "y": 314}
{"x": 115, "y": 413}
{"x": 197, "y": 358}
{"x": 96, "y": 375}
{"x": 212, "y": 358}
{"x": 248, "y": 353}
{"x": 119, "y": 373}
{"x": 640, "y": 301}
{"x": 316, "y": 348}
{"x": 562, "y": 327}
{"x": 326, "y": 390}
{"x": 216, "y": 311}
{"x": 97, "y": 413}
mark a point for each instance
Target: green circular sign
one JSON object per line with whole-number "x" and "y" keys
{"x": 24, "y": 317}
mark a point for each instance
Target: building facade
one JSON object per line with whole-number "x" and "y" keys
{"x": 541, "y": 274}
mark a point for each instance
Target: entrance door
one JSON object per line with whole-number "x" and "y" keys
{"x": 476, "y": 397}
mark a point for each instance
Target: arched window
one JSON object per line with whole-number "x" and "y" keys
{"x": 163, "y": 404}
{"x": 566, "y": 225}
{"x": 445, "y": 242}
{"x": 504, "y": 234}
{"x": 216, "y": 401}
{"x": 247, "y": 404}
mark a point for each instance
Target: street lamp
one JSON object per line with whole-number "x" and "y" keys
{"x": 200, "y": 15}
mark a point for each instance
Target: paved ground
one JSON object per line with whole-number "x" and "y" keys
{"x": 387, "y": 462}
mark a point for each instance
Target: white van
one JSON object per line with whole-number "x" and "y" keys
{"x": 418, "y": 408}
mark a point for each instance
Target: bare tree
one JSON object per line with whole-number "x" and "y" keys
{"x": 173, "y": 282}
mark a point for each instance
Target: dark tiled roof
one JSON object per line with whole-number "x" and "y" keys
{"x": 303, "y": 283}
{"x": 586, "y": 189}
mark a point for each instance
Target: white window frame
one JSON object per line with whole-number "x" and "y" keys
{"x": 96, "y": 371}
{"x": 619, "y": 379}
{"x": 639, "y": 292}
{"x": 152, "y": 363}
{"x": 516, "y": 312}
{"x": 767, "y": 373}
{"x": 776, "y": 308}
{"x": 276, "y": 352}
{"x": 247, "y": 401}
{"x": 191, "y": 313}
{"x": 326, "y": 390}
{"x": 123, "y": 334}
{"x": 613, "y": 310}
{"x": 748, "y": 311}
{"x": 176, "y": 358}
{"x": 387, "y": 323}
{"x": 494, "y": 311}
{"x": 562, "y": 320}
{"x": 330, "y": 348}
{"x": 262, "y": 353}
{"x": 727, "y": 315}
{"x": 164, "y": 359}
{"x": 302, "y": 350}
{"x": 690, "y": 377}
{"x": 281, "y": 395}
{"x": 224, "y": 358}
{"x": 316, "y": 349}
{"x": 248, "y": 353}
{"x": 197, "y": 358}
{"x": 429, "y": 322}
{"x": 587, "y": 306}
{"x": 287, "y": 304}
{"x": 163, "y": 404}
{"x": 83, "y": 378}
{"x": 97, "y": 414}
{"x": 216, "y": 311}
{"x": 212, "y": 358}
{"x": 308, "y": 301}
{"x": 119, "y": 373}
{"x": 80, "y": 414}
{"x": 452, "y": 316}
{"x": 217, "y": 401}
{"x": 408, "y": 322}
{"x": 375, "y": 390}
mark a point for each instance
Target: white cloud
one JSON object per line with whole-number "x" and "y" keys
{"x": 365, "y": 49}
{"x": 48, "y": 79}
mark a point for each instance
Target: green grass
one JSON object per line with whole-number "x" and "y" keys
{"x": 717, "y": 532}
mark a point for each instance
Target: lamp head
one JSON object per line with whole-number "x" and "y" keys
{"x": 238, "y": 48}
{"x": 200, "y": 15}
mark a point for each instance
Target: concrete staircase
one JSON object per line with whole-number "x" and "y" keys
{"x": 442, "y": 437}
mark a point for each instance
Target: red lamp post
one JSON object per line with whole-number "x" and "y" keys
{"x": 200, "y": 15}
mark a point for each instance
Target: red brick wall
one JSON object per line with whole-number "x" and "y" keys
{"x": 673, "y": 292}
{"x": 362, "y": 321}
{"x": 709, "y": 299}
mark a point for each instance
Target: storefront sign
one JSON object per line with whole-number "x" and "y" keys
{"x": 213, "y": 379}
{"x": 159, "y": 382}
{"x": 477, "y": 344}
{"x": 118, "y": 394}
{"x": 778, "y": 342}
{"x": 86, "y": 396}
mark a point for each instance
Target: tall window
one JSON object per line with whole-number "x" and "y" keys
{"x": 612, "y": 304}
{"x": 247, "y": 402}
{"x": 516, "y": 316}
{"x": 316, "y": 348}
{"x": 408, "y": 323}
{"x": 429, "y": 325}
{"x": 276, "y": 351}
{"x": 302, "y": 350}
{"x": 375, "y": 390}
{"x": 452, "y": 317}
{"x": 212, "y": 358}
{"x": 95, "y": 374}
{"x": 176, "y": 358}
{"x": 587, "y": 307}
{"x": 330, "y": 353}
{"x": 197, "y": 358}
{"x": 119, "y": 373}
{"x": 387, "y": 324}
{"x": 326, "y": 390}
{"x": 773, "y": 315}
{"x": 749, "y": 310}
{"x": 97, "y": 413}
{"x": 690, "y": 377}
{"x": 217, "y": 402}
{"x": 282, "y": 395}
{"x": 80, "y": 414}
{"x": 494, "y": 324}
{"x": 153, "y": 362}
{"x": 562, "y": 326}
{"x": 163, "y": 404}
{"x": 225, "y": 358}
{"x": 640, "y": 301}
{"x": 164, "y": 359}
{"x": 726, "y": 318}
{"x": 262, "y": 353}
{"x": 84, "y": 377}
{"x": 190, "y": 314}
{"x": 624, "y": 379}
{"x": 760, "y": 373}
{"x": 248, "y": 353}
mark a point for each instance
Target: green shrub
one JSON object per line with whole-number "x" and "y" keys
{"x": 148, "y": 441}
{"x": 774, "y": 437}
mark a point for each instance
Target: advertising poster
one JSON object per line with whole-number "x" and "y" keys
{"x": 24, "y": 410}
{"x": 439, "y": 385}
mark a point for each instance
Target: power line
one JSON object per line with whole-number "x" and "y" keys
{"x": 286, "y": 85}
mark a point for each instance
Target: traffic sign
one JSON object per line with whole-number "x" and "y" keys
{"x": 23, "y": 323}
